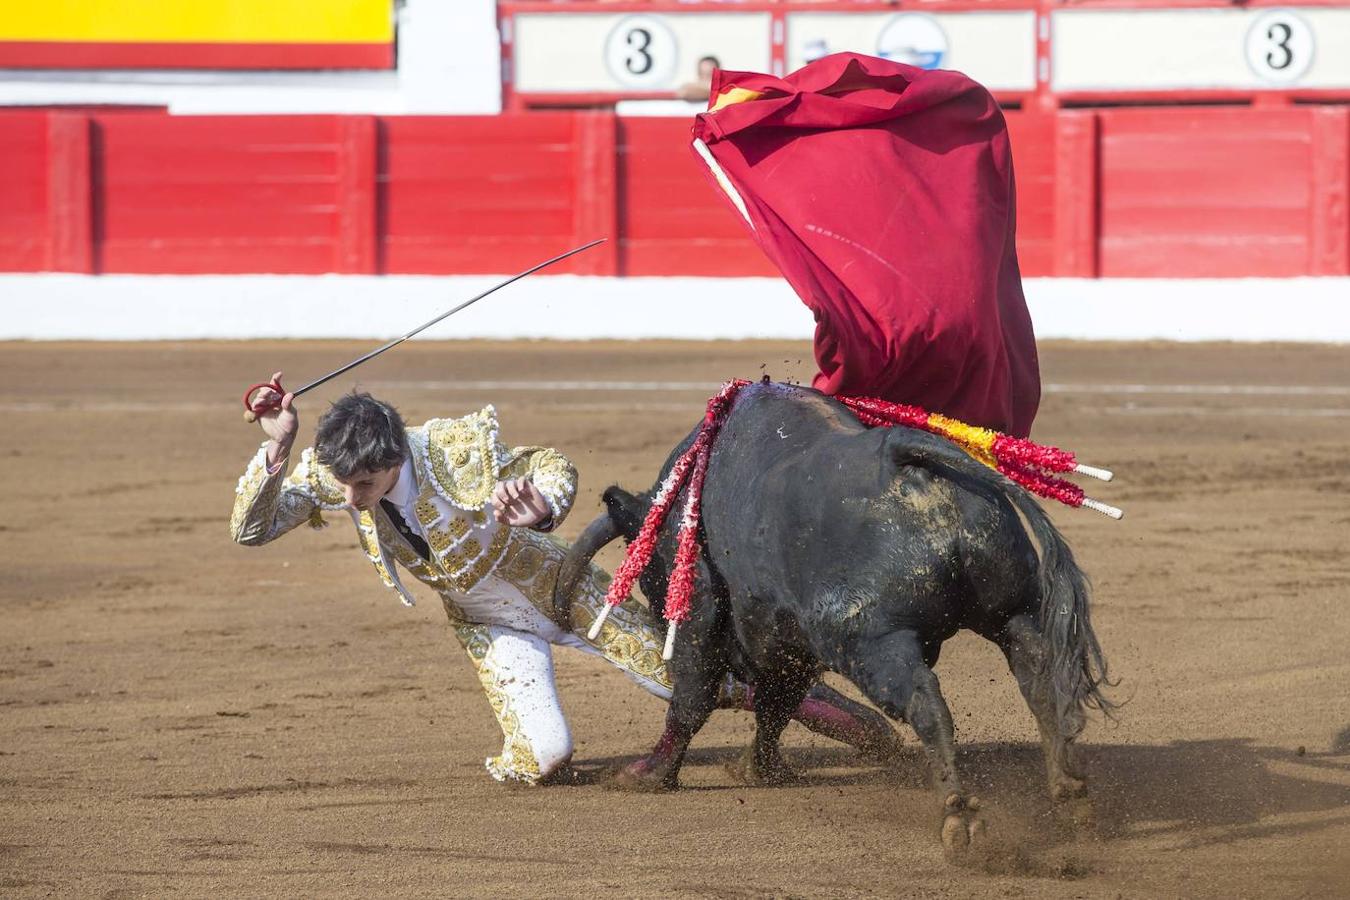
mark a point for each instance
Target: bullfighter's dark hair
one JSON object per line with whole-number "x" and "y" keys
{"x": 360, "y": 434}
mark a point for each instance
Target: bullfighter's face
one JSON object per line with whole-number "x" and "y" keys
{"x": 364, "y": 489}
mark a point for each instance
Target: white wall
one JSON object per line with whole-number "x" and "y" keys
{"x": 136, "y": 307}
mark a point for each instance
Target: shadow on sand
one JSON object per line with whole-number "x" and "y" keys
{"x": 1202, "y": 792}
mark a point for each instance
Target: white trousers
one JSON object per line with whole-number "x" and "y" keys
{"x": 511, "y": 647}
{"x": 516, "y": 670}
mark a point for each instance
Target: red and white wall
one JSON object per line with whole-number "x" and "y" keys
{"x": 1141, "y": 214}
{"x": 1172, "y": 192}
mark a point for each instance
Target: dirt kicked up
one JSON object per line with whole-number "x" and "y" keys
{"x": 179, "y": 715}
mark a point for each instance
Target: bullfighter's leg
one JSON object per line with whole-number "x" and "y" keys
{"x": 516, "y": 671}
{"x": 892, "y": 673}
{"x": 1026, "y": 650}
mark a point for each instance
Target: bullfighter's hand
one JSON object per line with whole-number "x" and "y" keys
{"x": 281, "y": 423}
{"x": 519, "y": 503}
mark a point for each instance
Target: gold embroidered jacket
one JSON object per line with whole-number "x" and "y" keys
{"x": 457, "y": 464}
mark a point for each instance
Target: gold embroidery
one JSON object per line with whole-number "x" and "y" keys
{"x": 531, "y": 564}
{"x": 427, "y": 513}
{"x": 453, "y": 613}
{"x": 629, "y": 638}
{"x": 254, "y": 507}
{"x": 465, "y": 581}
{"x": 541, "y": 589}
{"x": 475, "y": 641}
{"x": 325, "y": 488}
{"x": 517, "y": 761}
{"x": 439, "y": 539}
{"x": 463, "y": 455}
{"x": 522, "y": 563}
{"x": 552, "y": 473}
{"x": 370, "y": 543}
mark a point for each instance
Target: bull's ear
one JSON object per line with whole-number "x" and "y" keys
{"x": 626, "y": 510}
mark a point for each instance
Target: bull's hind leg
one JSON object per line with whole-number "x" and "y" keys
{"x": 777, "y": 698}
{"x": 1027, "y": 653}
{"x": 893, "y": 674}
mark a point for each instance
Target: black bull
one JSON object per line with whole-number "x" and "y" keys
{"x": 829, "y": 545}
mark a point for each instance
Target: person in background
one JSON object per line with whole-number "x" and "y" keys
{"x": 701, "y": 87}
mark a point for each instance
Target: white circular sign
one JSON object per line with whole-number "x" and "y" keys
{"x": 1279, "y": 47}
{"x": 641, "y": 52}
{"x": 914, "y": 39}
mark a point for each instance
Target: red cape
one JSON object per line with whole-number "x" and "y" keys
{"x": 884, "y": 193}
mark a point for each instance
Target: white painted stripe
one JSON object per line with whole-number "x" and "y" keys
{"x": 1217, "y": 390}
{"x": 1284, "y": 412}
{"x": 590, "y": 402}
{"x": 546, "y": 385}
{"x": 113, "y": 406}
{"x": 1242, "y": 390}
{"x": 571, "y": 307}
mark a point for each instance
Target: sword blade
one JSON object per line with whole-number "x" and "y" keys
{"x": 445, "y": 315}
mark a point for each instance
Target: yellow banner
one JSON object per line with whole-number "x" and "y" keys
{"x": 199, "y": 21}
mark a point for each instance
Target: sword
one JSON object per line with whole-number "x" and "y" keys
{"x": 254, "y": 409}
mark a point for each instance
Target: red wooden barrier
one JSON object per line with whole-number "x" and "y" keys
{"x": 219, "y": 194}
{"x": 356, "y": 196}
{"x": 1330, "y": 214}
{"x": 44, "y": 193}
{"x": 1205, "y": 192}
{"x": 497, "y": 193}
{"x": 23, "y": 193}
{"x": 1034, "y": 164}
{"x": 671, "y": 220}
{"x": 1117, "y": 192}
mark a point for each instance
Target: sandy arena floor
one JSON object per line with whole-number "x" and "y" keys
{"x": 182, "y": 716}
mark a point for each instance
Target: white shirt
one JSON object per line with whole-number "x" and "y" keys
{"x": 404, "y": 496}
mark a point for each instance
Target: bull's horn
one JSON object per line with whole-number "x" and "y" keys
{"x": 596, "y": 536}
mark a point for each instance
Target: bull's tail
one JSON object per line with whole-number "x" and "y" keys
{"x": 1075, "y": 668}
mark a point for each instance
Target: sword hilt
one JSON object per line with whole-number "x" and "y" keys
{"x": 254, "y": 408}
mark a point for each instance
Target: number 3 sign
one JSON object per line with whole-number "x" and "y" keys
{"x": 1279, "y": 47}
{"x": 641, "y": 52}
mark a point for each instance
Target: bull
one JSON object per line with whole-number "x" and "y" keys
{"x": 828, "y": 545}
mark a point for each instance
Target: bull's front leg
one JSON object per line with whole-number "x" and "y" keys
{"x": 892, "y": 673}
{"x": 698, "y": 670}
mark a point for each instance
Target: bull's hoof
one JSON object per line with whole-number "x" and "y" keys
{"x": 1072, "y": 807}
{"x": 963, "y": 828}
{"x": 644, "y": 777}
{"x": 746, "y": 771}
{"x": 1066, "y": 787}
